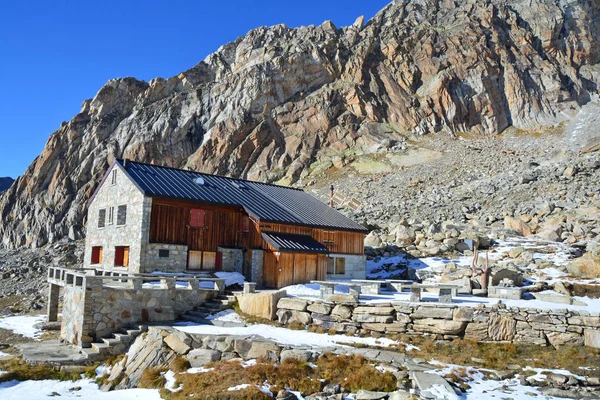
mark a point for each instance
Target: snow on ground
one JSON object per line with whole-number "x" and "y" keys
{"x": 231, "y": 278}
{"x": 283, "y": 335}
{"x": 88, "y": 390}
{"x": 311, "y": 290}
{"x": 23, "y": 325}
{"x": 171, "y": 380}
{"x": 226, "y": 315}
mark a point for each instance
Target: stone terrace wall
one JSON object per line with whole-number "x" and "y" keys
{"x": 92, "y": 311}
{"x": 497, "y": 323}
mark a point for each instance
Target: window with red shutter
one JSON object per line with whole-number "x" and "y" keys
{"x": 197, "y": 218}
{"x": 245, "y": 224}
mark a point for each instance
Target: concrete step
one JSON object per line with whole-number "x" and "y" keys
{"x": 134, "y": 332}
{"x": 201, "y": 314}
{"x": 193, "y": 318}
{"x": 111, "y": 342}
{"x": 101, "y": 348}
{"x": 124, "y": 337}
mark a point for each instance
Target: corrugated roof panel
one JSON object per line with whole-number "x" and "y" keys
{"x": 266, "y": 202}
{"x": 288, "y": 242}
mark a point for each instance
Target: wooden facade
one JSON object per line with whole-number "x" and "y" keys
{"x": 204, "y": 227}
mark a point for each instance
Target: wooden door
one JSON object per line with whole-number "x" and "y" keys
{"x": 195, "y": 260}
{"x": 311, "y": 268}
{"x": 270, "y": 273}
{"x": 209, "y": 260}
{"x": 285, "y": 270}
{"x": 299, "y": 269}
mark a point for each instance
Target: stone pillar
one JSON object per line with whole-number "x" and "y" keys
{"x": 193, "y": 284}
{"x": 354, "y": 291}
{"x": 445, "y": 296}
{"x": 136, "y": 283}
{"x": 326, "y": 289}
{"x": 249, "y": 287}
{"x": 415, "y": 295}
{"x": 220, "y": 285}
{"x": 168, "y": 283}
{"x": 256, "y": 272}
{"x": 53, "y": 296}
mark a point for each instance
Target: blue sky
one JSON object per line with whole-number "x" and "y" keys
{"x": 55, "y": 54}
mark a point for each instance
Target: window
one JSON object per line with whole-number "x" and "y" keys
{"x": 336, "y": 266}
{"x": 245, "y": 224}
{"x": 328, "y": 237}
{"x": 97, "y": 255}
{"x": 111, "y": 215}
{"x": 162, "y": 253}
{"x": 197, "y": 218}
{"x": 101, "y": 218}
{"x": 113, "y": 177}
{"x": 121, "y": 215}
{"x": 122, "y": 256}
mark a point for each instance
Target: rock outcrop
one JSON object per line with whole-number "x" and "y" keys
{"x": 270, "y": 104}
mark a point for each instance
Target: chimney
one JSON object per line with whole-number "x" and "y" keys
{"x": 331, "y": 196}
{"x": 125, "y": 162}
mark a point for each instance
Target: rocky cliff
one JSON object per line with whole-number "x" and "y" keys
{"x": 272, "y": 103}
{"x": 5, "y": 183}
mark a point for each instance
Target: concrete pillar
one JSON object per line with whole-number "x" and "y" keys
{"x": 249, "y": 287}
{"x": 326, "y": 289}
{"x": 53, "y": 296}
{"x": 445, "y": 296}
{"x": 354, "y": 291}
{"x": 220, "y": 285}
{"x": 168, "y": 283}
{"x": 415, "y": 295}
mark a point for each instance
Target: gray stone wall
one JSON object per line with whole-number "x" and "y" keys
{"x": 256, "y": 269}
{"x": 92, "y": 311}
{"x": 175, "y": 262}
{"x": 233, "y": 259}
{"x": 356, "y": 267}
{"x": 497, "y": 323}
{"x": 132, "y": 234}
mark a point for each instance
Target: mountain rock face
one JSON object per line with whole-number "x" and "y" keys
{"x": 278, "y": 102}
{"x": 5, "y": 183}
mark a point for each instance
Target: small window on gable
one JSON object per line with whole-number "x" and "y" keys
{"x": 97, "y": 255}
{"x": 111, "y": 215}
{"x": 245, "y": 224}
{"x": 102, "y": 218}
{"x": 122, "y": 215}
{"x": 328, "y": 237}
{"x": 197, "y": 218}
{"x": 113, "y": 177}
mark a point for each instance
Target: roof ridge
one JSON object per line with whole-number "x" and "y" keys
{"x": 204, "y": 173}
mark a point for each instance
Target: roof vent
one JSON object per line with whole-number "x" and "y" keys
{"x": 239, "y": 185}
{"x": 200, "y": 181}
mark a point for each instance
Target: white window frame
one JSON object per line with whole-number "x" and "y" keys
{"x": 335, "y": 258}
{"x": 111, "y": 216}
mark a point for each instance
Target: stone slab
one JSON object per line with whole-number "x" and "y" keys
{"x": 50, "y": 352}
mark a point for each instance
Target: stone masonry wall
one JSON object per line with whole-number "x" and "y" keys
{"x": 356, "y": 267}
{"x": 124, "y": 192}
{"x": 93, "y": 311}
{"x": 497, "y": 323}
{"x": 175, "y": 262}
{"x": 233, "y": 259}
{"x": 256, "y": 271}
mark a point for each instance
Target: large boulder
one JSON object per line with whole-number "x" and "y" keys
{"x": 587, "y": 266}
{"x": 517, "y": 225}
{"x": 439, "y": 326}
{"x": 262, "y": 305}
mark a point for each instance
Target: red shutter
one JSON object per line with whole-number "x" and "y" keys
{"x": 245, "y": 224}
{"x": 219, "y": 261}
{"x": 197, "y": 218}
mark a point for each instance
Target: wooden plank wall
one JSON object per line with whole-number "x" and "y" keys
{"x": 344, "y": 242}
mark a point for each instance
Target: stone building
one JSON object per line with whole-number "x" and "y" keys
{"x": 144, "y": 218}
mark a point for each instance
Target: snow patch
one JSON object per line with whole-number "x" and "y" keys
{"x": 23, "y": 325}
{"x": 231, "y": 278}
{"x": 226, "y": 315}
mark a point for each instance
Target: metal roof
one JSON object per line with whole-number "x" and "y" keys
{"x": 263, "y": 201}
{"x": 294, "y": 243}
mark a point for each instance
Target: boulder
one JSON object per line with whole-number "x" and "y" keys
{"x": 373, "y": 240}
{"x": 319, "y": 308}
{"x": 290, "y": 316}
{"x": 292, "y": 304}
{"x": 369, "y": 395}
{"x": 517, "y": 225}
{"x": 263, "y": 349}
{"x": 501, "y": 327}
{"x": 296, "y": 355}
{"x": 477, "y": 330}
{"x": 201, "y": 357}
{"x": 179, "y": 342}
{"x": 374, "y": 310}
{"x": 558, "y": 339}
{"x": 342, "y": 312}
{"x": 592, "y": 338}
{"x": 433, "y": 312}
{"x": 262, "y": 305}
{"x": 587, "y": 266}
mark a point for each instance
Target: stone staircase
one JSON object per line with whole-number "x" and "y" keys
{"x": 117, "y": 344}
{"x": 221, "y": 302}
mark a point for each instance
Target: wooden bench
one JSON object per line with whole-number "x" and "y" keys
{"x": 397, "y": 285}
{"x": 445, "y": 291}
{"x": 369, "y": 287}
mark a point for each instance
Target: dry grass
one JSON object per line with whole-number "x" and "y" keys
{"x": 153, "y": 378}
{"x": 180, "y": 364}
{"x": 352, "y": 372}
{"x": 21, "y": 371}
{"x": 499, "y": 356}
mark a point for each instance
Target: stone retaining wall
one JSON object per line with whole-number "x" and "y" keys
{"x": 497, "y": 323}
{"x": 173, "y": 261}
{"x": 92, "y": 311}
